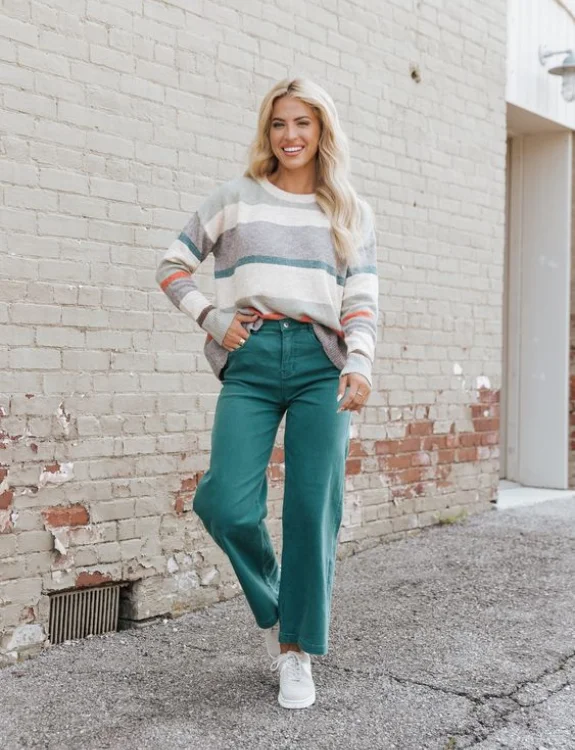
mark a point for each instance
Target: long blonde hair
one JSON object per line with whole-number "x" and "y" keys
{"x": 334, "y": 192}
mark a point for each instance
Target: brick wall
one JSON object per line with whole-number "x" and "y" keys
{"x": 117, "y": 118}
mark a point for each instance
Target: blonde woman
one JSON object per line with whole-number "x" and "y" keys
{"x": 292, "y": 333}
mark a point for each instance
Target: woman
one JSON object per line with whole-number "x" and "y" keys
{"x": 293, "y": 333}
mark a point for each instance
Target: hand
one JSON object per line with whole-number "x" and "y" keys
{"x": 236, "y": 333}
{"x": 359, "y": 392}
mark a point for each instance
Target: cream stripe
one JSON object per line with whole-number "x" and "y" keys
{"x": 272, "y": 282}
{"x": 193, "y": 303}
{"x": 245, "y": 213}
{"x": 362, "y": 341}
{"x": 361, "y": 283}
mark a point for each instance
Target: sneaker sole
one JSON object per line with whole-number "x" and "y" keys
{"x": 303, "y": 703}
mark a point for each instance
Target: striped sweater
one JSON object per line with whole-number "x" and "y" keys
{"x": 274, "y": 256}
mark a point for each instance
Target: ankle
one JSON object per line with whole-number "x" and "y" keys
{"x": 285, "y": 647}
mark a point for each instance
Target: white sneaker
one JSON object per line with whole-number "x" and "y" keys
{"x": 297, "y": 689}
{"x": 272, "y": 640}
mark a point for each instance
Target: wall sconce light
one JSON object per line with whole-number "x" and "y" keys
{"x": 566, "y": 70}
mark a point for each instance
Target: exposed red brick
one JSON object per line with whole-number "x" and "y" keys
{"x": 353, "y": 466}
{"x": 29, "y": 395}
{"x": 96, "y": 578}
{"x": 408, "y": 445}
{"x": 190, "y": 483}
{"x": 383, "y": 447}
{"x": 278, "y": 456}
{"x": 356, "y": 449}
{"x": 71, "y": 515}
{"x": 6, "y": 499}
{"x": 410, "y": 476}
{"x": 466, "y": 454}
{"x": 485, "y": 425}
{"x": 488, "y": 396}
{"x": 469, "y": 439}
{"x": 183, "y": 497}
{"x": 420, "y": 428}
{"x": 3, "y": 473}
{"x": 479, "y": 410}
{"x": 434, "y": 442}
{"x": 446, "y": 456}
{"x": 34, "y": 447}
{"x": 402, "y": 461}
{"x": 52, "y": 468}
{"x": 452, "y": 440}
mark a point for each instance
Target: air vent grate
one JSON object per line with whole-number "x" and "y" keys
{"x": 77, "y": 614}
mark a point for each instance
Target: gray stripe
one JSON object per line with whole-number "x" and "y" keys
{"x": 311, "y": 244}
{"x": 178, "y": 289}
{"x": 195, "y": 238}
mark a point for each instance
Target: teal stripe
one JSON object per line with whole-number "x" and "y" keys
{"x": 295, "y": 263}
{"x": 361, "y": 269}
{"x": 190, "y": 245}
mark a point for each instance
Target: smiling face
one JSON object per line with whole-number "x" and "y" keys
{"x": 294, "y": 133}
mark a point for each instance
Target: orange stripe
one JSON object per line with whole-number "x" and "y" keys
{"x": 178, "y": 275}
{"x": 360, "y": 314}
{"x": 266, "y": 316}
{"x": 271, "y": 316}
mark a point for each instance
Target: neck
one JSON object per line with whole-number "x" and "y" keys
{"x": 295, "y": 181}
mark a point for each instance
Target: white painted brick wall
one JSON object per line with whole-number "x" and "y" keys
{"x": 116, "y": 119}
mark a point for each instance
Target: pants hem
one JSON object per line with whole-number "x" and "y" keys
{"x": 319, "y": 649}
{"x": 268, "y": 624}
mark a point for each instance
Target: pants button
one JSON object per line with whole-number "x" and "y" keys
{"x": 286, "y": 325}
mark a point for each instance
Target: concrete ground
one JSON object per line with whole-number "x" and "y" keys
{"x": 461, "y": 637}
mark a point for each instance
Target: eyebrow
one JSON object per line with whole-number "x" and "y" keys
{"x": 301, "y": 117}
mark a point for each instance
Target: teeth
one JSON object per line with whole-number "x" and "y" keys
{"x": 293, "y": 150}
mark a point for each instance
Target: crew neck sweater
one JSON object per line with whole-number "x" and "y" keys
{"x": 274, "y": 256}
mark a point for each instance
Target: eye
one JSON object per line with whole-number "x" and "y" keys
{"x": 277, "y": 125}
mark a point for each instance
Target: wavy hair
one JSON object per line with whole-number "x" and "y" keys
{"x": 334, "y": 192}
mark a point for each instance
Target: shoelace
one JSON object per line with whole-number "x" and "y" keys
{"x": 291, "y": 662}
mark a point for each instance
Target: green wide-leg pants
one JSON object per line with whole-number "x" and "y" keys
{"x": 281, "y": 369}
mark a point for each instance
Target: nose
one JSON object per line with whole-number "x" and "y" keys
{"x": 291, "y": 132}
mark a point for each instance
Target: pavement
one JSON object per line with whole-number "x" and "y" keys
{"x": 459, "y": 637}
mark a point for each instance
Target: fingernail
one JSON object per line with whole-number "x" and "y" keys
{"x": 339, "y": 398}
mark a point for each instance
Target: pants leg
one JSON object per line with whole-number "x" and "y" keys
{"x": 316, "y": 446}
{"x": 231, "y": 496}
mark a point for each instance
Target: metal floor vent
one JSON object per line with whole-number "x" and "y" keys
{"x": 77, "y": 614}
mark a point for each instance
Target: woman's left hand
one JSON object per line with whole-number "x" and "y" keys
{"x": 359, "y": 392}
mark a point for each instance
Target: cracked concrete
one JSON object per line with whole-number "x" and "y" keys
{"x": 461, "y": 637}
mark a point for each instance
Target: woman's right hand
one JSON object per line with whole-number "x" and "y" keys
{"x": 236, "y": 332}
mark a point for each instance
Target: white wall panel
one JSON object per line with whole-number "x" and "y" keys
{"x": 532, "y": 23}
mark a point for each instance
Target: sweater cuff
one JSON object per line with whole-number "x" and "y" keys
{"x": 359, "y": 363}
{"x": 216, "y": 323}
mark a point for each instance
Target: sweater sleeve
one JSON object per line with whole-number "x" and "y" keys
{"x": 359, "y": 308}
{"x": 175, "y": 273}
